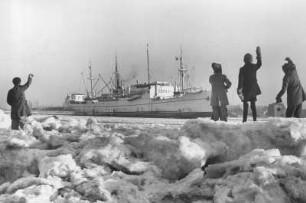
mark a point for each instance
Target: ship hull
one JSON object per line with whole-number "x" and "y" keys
{"x": 189, "y": 105}
{"x": 150, "y": 114}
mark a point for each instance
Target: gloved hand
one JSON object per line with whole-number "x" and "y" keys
{"x": 278, "y": 100}
{"x": 239, "y": 92}
{"x": 288, "y": 59}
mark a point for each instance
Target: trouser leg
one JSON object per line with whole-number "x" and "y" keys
{"x": 245, "y": 111}
{"x": 298, "y": 111}
{"x": 290, "y": 111}
{"x": 215, "y": 113}
{"x": 254, "y": 112}
{"x": 15, "y": 124}
{"x": 223, "y": 113}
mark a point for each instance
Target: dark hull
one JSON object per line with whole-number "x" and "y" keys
{"x": 150, "y": 114}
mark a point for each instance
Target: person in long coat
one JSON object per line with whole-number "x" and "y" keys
{"x": 248, "y": 88}
{"x": 295, "y": 91}
{"x": 17, "y": 100}
{"x": 219, "y": 84}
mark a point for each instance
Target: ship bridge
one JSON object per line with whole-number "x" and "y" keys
{"x": 156, "y": 90}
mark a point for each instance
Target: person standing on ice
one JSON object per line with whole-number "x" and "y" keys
{"x": 219, "y": 85}
{"x": 295, "y": 91}
{"x": 248, "y": 88}
{"x": 16, "y": 99}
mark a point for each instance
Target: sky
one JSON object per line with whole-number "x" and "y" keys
{"x": 56, "y": 39}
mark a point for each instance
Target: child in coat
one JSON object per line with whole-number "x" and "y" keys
{"x": 295, "y": 92}
{"x": 219, "y": 86}
{"x": 248, "y": 88}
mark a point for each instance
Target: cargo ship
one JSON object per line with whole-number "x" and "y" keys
{"x": 149, "y": 99}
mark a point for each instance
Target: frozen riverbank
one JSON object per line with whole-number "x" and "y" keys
{"x": 82, "y": 159}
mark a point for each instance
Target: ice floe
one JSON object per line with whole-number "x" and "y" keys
{"x": 67, "y": 159}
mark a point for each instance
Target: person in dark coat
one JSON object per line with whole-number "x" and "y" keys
{"x": 219, "y": 85}
{"x": 248, "y": 88}
{"x": 295, "y": 91}
{"x": 16, "y": 99}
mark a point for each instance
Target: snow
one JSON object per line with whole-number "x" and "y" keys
{"x": 68, "y": 159}
{"x": 5, "y": 121}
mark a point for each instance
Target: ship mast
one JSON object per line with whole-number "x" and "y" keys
{"x": 117, "y": 76}
{"x": 181, "y": 70}
{"x": 148, "y": 64}
{"x": 116, "y": 72}
{"x": 91, "y": 80}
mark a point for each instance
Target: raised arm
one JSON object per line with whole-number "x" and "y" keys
{"x": 258, "y": 57}
{"x": 28, "y": 83}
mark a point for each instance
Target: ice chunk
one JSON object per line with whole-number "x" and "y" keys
{"x": 21, "y": 139}
{"x": 61, "y": 166}
{"x": 191, "y": 150}
{"x": 141, "y": 160}
{"x": 94, "y": 190}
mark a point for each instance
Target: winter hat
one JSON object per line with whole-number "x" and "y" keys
{"x": 16, "y": 81}
{"x": 248, "y": 58}
{"x": 216, "y": 67}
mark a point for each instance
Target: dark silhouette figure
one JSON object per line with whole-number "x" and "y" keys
{"x": 219, "y": 85}
{"x": 248, "y": 88}
{"x": 295, "y": 91}
{"x": 16, "y": 99}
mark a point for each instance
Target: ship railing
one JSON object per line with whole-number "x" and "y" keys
{"x": 193, "y": 90}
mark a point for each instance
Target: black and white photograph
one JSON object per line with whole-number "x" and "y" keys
{"x": 152, "y": 101}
